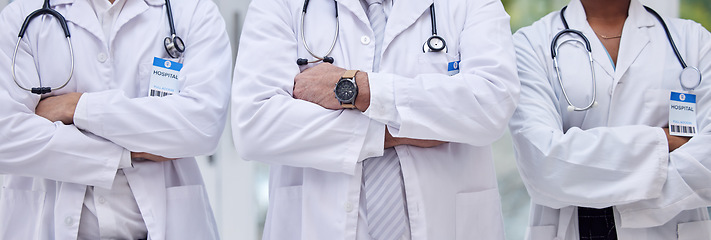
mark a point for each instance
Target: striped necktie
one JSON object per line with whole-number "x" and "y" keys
{"x": 377, "y": 18}
{"x": 382, "y": 177}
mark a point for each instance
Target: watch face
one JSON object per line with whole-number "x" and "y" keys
{"x": 346, "y": 91}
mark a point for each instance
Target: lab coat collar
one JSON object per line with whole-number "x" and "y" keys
{"x": 129, "y": 11}
{"x": 356, "y": 9}
{"x": 403, "y": 15}
{"x": 82, "y": 14}
{"x": 77, "y": 13}
{"x": 575, "y": 14}
{"x": 634, "y": 38}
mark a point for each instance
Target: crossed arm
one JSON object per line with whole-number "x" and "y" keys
{"x": 316, "y": 85}
{"x": 62, "y": 108}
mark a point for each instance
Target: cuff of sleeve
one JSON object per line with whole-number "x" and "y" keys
{"x": 382, "y": 99}
{"x": 125, "y": 161}
{"x": 374, "y": 141}
{"x": 81, "y": 113}
{"x": 662, "y": 151}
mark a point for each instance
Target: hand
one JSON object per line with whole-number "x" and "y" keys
{"x": 59, "y": 108}
{"x": 391, "y": 141}
{"x": 675, "y": 141}
{"x": 316, "y": 85}
{"x": 151, "y": 157}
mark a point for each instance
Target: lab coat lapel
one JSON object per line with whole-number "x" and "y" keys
{"x": 403, "y": 15}
{"x": 577, "y": 19}
{"x": 355, "y": 8}
{"x": 130, "y": 11}
{"x": 634, "y": 37}
{"x": 82, "y": 14}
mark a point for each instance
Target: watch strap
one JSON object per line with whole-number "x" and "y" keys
{"x": 350, "y": 74}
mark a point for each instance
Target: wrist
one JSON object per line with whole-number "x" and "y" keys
{"x": 72, "y": 106}
{"x": 362, "y": 101}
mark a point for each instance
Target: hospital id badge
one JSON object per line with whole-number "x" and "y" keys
{"x": 682, "y": 114}
{"x": 453, "y": 68}
{"x": 164, "y": 78}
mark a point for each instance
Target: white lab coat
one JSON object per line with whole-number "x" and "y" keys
{"x": 615, "y": 154}
{"x": 50, "y": 165}
{"x": 315, "y": 153}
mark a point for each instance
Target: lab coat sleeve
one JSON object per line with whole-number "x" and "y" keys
{"x": 31, "y": 145}
{"x": 471, "y": 107}
{"x": 269, "y": 124}
{"x": 687, "y": 184}
{"x": 181, "y": 125}
{"x": 596, "y": 167}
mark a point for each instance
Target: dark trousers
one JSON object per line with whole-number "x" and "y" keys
{"x": 596, "y": 224}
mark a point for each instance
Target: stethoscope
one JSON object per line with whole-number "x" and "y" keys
{"x": 174, "y": 45}
{"x": 434, "y": 43}
{"x": 689, "y": 79}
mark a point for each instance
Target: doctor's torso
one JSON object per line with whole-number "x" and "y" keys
{"x": 123, "y": 61}
{"x": 634, "y": 92}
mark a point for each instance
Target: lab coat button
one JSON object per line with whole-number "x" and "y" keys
{"x": 102, "y": 200}
{"x": 102, "y": 57}
{"x": 348, "y": 206}
{"x": 365, "y": 40}
{"x": 68, "y": 221}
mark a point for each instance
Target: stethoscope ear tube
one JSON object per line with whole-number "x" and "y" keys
{"x": 325, "y": 58}
{"x": 62, "y": 22}
{"x": 43, "y": 90}
{"x": 593, "y": 101}
{"x": 42, "y": 11}
{"x": 554, "y": 49}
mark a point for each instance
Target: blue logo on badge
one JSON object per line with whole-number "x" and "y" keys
{"x": 453, "y": 66}
{"x": 167, "y": 64}
{"x": 683, "y": 97}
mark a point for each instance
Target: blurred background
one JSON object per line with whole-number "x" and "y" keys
{"x": 238, "y": 189}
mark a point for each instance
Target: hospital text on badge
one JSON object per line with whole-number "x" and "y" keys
{"x": 682, "y": 114}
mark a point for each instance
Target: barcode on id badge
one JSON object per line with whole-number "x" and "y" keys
{"x": 683, "y": 129}
{"x": 159, "y": 93}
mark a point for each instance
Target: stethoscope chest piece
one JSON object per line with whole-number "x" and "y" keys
{"x": 174, "y": 45}
{"x": 434, "y": 44}
{"x": 690, "y": 78}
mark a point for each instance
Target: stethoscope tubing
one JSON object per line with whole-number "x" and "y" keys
{"x": 303, "y": 38}
{"x": 555, "y": 48}
{"x": 669, "y": 36}
{"x": 63, "y": 22}
{"x": 560, "y": 80}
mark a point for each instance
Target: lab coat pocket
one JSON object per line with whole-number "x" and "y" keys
{"x": 694, "y": 230}
{"x": 285, "y": 215}
{"x": 143, "y": 76}
{"x": 656, "y": 107}
{"x": 541, "y": 232}
{"x": 188, "y": 214}
{"x": 437, "y": 62}
{"x": 479, "y": 215}
{"x": 16, "y": 207}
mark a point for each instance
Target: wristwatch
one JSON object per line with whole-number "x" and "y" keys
{"x": 346, "y": 89}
